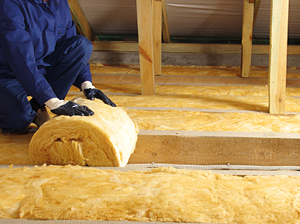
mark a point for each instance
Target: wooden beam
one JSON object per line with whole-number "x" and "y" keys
{"x": 188, "y": 147}
{"x": 119, "y": 46}
{"x": 278, "y": 56}
{"x": 184, "y": 79}
{"x": 247, "y": 33}
{"x": 216, "y": 148}
{"x": 145, "y": 46}
{"x": 157, "y": 26}
{"x": 256, "y": 8}
{"x": 115, "y": 46}
{"x": 165, "y": 24}
{"x": 81, "y": 21}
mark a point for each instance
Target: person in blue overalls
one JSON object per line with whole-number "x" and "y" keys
{"x": 41, "y": 56}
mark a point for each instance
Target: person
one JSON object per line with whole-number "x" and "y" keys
{"x": 41, "y": 56}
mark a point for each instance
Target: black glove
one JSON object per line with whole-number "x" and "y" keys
{"x": 91, "y": 94}
{"x": 71, "y": 108}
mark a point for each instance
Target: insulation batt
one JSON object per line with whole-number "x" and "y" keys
{"x": 162, "y": 194}
{"x": 107, "y": 138}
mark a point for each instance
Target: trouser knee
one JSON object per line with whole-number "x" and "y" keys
{"x": 18, "y": 124}
{"x": 83, "y": 48}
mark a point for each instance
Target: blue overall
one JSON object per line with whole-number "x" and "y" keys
{"x": 40, "y": 56}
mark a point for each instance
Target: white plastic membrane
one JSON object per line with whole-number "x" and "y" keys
{"x": 187, "y": 18}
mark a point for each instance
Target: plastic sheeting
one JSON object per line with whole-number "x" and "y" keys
{"x": 187, "y": 18}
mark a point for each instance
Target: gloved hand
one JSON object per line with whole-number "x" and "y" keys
{"x": 61, "y": 107}
{"x": 96, "y": 93}
{"x": 71, "y": 108}
{"x": 91, "y": 93}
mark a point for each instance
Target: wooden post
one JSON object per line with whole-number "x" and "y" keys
{"x": 144, "y": 18}
{"x": 156, "y": 22}
{"x": 81, "y": 21}
{"x": 278, "y": 55}
{"x": 256, "y": 8}
{"x": 165, "y": 24}
{"x": 248, "y": 14}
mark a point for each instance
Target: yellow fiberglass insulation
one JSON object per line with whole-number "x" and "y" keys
{"x": 107, "y": 138}
{"x": 163, "y": 194}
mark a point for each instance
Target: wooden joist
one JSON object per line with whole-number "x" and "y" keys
{"x": 207, "y": 148}
{"x": 119, "y": 46}
{"x": 188, "y": 147}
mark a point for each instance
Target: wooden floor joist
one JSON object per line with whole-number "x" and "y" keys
{"x": 189, "y": 147}
{"x": 207, "y": 148}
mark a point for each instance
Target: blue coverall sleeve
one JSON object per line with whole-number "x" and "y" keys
{"x": 18, "y": 49}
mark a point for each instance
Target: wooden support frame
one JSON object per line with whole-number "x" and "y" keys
{"x": 81, "y": 21}
{"x": 278, "y": 55}
{"x": 247, "y": 32}
{"x": 150, "y": 47}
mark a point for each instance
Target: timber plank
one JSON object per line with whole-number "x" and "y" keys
{"x": 119, "y": 46}
{"x": 184, "y": 147}
{"x": 198, "y": 148}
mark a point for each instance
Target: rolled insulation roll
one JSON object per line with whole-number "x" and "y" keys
{"x": 107, "y": 138}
